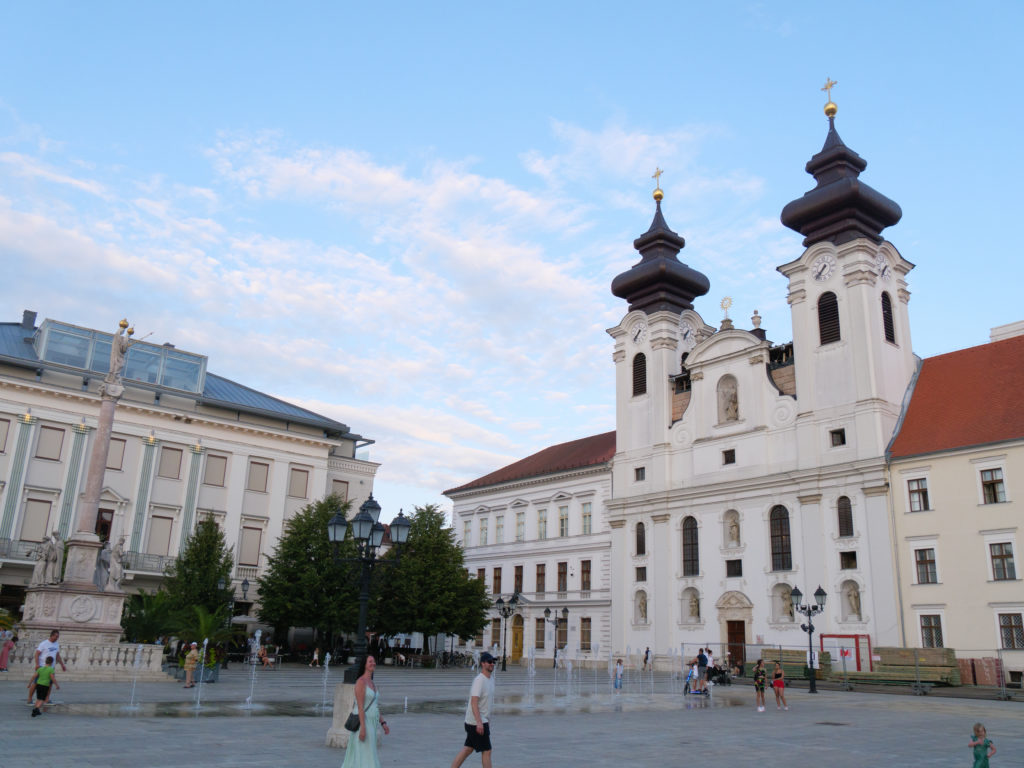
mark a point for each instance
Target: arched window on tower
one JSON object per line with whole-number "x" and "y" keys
{"x": 887, "y": 324}
{"x": 639, "y": 374}
{"x": 828, "y": 318}
{"x": 691, "y": 548}
{"x": 845, "y": 511}
{"x": 641, "y": 539}
{"x": 782, "y": 552}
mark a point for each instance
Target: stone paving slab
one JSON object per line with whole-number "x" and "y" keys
{"x": 833, "y": 729}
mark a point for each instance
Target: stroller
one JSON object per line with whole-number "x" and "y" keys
{"x": 719, "y": 676}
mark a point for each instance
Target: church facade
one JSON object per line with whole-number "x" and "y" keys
{"x": 742, "y": 469}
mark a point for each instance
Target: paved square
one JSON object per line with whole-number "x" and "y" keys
{"x": 91, "y": 726}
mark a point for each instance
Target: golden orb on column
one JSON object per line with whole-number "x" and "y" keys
{"x": 123, "y": 324}
{"x": 831, "y": 109}
{"x": 658, "y": 195}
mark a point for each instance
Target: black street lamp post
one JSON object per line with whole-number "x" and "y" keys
{"x": 554, "y": 622}
{"x": 506, "y": 610}
{"x": 809, "y": 611}
{"x": 368, "y": 534}
{"x": 221, "y": 585}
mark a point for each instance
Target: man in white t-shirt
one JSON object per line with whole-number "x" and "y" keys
{"x": 46, "y": 648}
{"x": 478, "y": 712}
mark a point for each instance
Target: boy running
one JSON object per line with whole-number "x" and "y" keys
{"x": 44, "y": 677}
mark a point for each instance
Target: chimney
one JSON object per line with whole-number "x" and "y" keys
{"x": 28, "y": 320}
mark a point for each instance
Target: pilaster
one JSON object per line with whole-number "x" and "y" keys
{"x": 149, "y": 445}
{"x": 191, "y": 494}
{"x": 26, "y": 422}
{"x": 67, "y": 507}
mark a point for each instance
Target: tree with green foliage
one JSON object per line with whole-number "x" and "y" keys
{"x": 303, "y": 586}
{"x": 192, "y": 578}
{"x": 147, "y": 616}
{"x": 199, "y": 624}
{"x": 428, "y": 589}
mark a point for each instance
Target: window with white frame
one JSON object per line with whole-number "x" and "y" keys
{"x": 563, "y": 521}
{"x": 1002, "y": 561}
{"x": 467, "y": 533}
{"x": 924, "y": 565}
{"x": 918, "y": 490}
{"x": 587, "y": 517}
{"x": 931, "y": 630}
{"x": 585, "y": 633}
{"x": 158, "y": 542}
{"x": 340, "y": 489}
{"x": 520, "y": 526}
{"x": 542, "y": 523}
{"x": 483, "y": 532}
{"x": 993, "y": 491}
{"x": 249, "y": 545}
{"x": 35, "y": 524}
{"x": 1011, "y": 631}
{"x": 499, "y": 529}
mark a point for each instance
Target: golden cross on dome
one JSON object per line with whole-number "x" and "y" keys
{"x": 657, "y": 176}
{"x": 829, "y": 85}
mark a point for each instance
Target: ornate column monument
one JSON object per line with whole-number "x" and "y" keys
{"x": 84, "y": 608}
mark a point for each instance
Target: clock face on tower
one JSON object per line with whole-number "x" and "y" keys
{"x": 687, "y": 335}
{"x": 882, "y": 266}
{"x": 638, "y": 332}
{"x": 823, "y": 266}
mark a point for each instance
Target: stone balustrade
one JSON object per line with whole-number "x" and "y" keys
{"x": 95, "y": 662}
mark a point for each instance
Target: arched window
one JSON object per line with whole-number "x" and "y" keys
{"x": 828, "y": 318}
{"x": 691, "y": 548}
{"x": 887, "y": 324}
{"x": 782, "y": 552}
{"x": 639, "y": 374}
{"x": 845, "y": 516}
{"x": 641, "y": 539}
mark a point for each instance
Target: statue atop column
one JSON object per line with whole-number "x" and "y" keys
{"x": 118, "y": 354}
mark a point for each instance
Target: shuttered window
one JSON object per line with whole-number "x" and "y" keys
{"x": 159, "y": 541}
{"x": 257, "y": 480}
{"x": 887, "y": 324}
{"x": 340, "y": 489}
{"x": 35, "y": 526}
{"x": 845, "y": 511}
{"x": 249, "y": 549}
{"x": 828, "y": 318}
{"x": 51, "y": 441}
{"x": 216, "y": 467}
{"x": 640, "y": 374}
{"x": 170, "y": 463}
{"x": 115, "y": 455}
{"x": 298, "y": 480}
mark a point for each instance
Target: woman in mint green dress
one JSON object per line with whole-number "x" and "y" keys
{"x": 362, "y": 745}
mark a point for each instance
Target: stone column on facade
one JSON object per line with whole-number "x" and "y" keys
{"x": 67, "y": 506}
{"x": 621, "y": 607}
{"x": 14, "y": 485}
{"x": 188, "y": 511}
{"x": 149, "y": 445}
{"x": 661, "y": 578}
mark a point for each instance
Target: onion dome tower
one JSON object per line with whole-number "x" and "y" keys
{"x": 659, "y": 281}
{"x": 841, "y": 207}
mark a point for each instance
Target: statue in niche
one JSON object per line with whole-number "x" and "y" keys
{"x": 786, "y": 595}
{"x": 694, "y": 606}
{"x": 641, "y": 607}
{"x": 734, "y": 531}
{"x": 854, "y": 599}
{"x": 728, "y": 400}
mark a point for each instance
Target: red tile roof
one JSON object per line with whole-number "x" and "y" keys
{"x": 969, "y": 397}
{"x": 585, "y": 452}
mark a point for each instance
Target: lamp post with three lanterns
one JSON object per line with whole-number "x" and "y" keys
{"x": 809, "y": 611}
{"x": 368, "y": 533}
{"x": 554, "y": 622}
{"x": 506, "y": 610}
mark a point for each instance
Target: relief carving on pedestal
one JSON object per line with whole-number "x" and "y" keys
{"x": 83, "y": 608}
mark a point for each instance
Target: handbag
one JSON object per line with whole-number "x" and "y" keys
{"x": 352, "y": 723}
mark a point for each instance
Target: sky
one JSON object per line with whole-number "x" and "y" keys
{"x": 406, "y": 216}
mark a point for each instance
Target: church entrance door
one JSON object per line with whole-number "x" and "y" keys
{"x": 736, "y": 635}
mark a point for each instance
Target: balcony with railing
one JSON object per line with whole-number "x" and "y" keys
{"x": 144, "y": 562}
{"x": 14, "y": 549}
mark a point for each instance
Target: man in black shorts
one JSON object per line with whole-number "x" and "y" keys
{"x": 478, "y": 712}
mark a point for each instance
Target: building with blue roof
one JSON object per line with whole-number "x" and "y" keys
{"x": 187, "y": 444}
